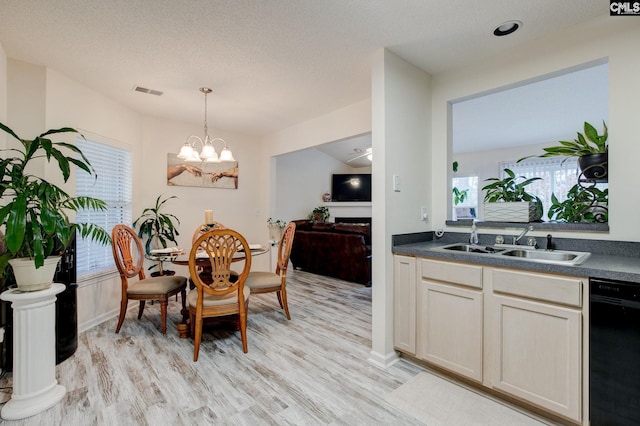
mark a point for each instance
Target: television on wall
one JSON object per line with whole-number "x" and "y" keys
{"x": 351, "y": 187}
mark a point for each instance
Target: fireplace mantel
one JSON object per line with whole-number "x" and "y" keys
{"x": 349, "y": 208}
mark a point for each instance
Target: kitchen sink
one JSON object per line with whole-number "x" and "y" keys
{"x": 560, "y": 257}
{"x": 544, "y": 256}
{"x": 472, "y": 248}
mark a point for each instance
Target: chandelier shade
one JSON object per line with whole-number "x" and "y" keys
{"x": 188, "y": 151}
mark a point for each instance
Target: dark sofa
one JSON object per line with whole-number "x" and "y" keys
{"x": 340, "y": 250}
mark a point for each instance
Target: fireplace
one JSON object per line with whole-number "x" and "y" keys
{"x": 353, "y": 220}
{"x": 356, "y": 220}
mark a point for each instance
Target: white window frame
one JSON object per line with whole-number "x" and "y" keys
{"x": 559, "y": 174}
{"x": 112, "y": 161}
{"x": 472, "y": 196}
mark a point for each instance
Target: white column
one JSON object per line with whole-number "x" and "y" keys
{"x": 35, "y": 388}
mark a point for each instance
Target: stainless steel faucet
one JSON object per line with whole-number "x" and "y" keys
{"x": 522, "y": 234}
{"x": 473, "y": 237}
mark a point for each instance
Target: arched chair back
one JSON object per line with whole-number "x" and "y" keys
{"x": 216, "y": 294}
{"x": 129, "y": 258}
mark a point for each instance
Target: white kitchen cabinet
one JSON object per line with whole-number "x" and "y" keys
{"x": 518, "y": 332}
{"x": 404, "y": 303}
{"x": 450, "y": 317}
{"x": 536, "y": 339}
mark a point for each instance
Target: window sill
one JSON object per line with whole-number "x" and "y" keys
{"x": 552, "y": 226}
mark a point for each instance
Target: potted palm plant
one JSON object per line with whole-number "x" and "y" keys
{"x": 507, "y": 200}
{"x": 160, "y": 229}
{"x": 34, "y": 211}
{"x": 591, "y": 148}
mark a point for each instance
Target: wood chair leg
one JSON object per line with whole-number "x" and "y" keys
{"x": 278, "y": 293}
{"x": 163, "y": 315}
{"x": 243, "y": 331}
{"x": 282, "y": 295}
{"x": 197, "y": 338}
{"x": 123, "y": 311}
{"x": 141, "y": 309}
{"x": 185, "y": 311}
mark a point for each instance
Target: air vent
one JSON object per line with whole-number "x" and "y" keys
{"x": 148, "y": 91}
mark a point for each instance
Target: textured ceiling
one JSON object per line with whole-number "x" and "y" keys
{"x": 271, "y": 64}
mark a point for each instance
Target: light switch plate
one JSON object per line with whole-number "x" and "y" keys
{"x": 396, "y": 183}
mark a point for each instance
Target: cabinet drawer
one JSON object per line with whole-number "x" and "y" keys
{"x": 552, "y": 288}
{"x": 458, "y": 273}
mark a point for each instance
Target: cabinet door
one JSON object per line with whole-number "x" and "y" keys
{"x": 404, "y": 303}
{"x": 537, "y": 353}
{"x": 450, "y": 327}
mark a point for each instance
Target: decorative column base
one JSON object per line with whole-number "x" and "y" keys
{"x": 35, "y": 388}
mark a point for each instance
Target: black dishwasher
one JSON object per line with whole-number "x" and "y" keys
{"x": 614, "y": 353}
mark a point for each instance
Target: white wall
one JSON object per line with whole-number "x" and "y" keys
{"x": 301, "y": 179}
{"x": 237, "y": 209}
{"x": 401, "y": 145}
{"x": 3, "y": 91}
{"x": 601, "y": 38}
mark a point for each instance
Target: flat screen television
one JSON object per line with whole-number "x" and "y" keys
{"x": 351, "y": 187}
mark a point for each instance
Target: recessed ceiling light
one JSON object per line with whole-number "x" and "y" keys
{"x": 507, "y": 28}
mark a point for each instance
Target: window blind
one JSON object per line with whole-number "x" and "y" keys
{"x": 113, "y": 185}
{"x": 559, "y": 174}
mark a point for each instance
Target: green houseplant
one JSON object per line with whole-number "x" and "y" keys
{"x": 591, "y": 148}
{"x": 319, "y": 214}
{"x": 276, "y": 226}
{"x": 34, "y": 210}
{"x": 158, "y": 228}
{"x": 504, "y": 199}
{"x": 459, "y": 195}
{"x": 582, "y": 205}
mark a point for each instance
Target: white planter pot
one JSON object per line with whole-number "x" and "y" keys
{"x": 521, "y": 211}
{"x": 29, "y": 278}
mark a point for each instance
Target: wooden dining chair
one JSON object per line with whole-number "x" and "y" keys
{"x": 215, "y": 294}
{"x": 204, "y": 228}
{"x": 129, "y": 258}
{"x": 270, "y": 282}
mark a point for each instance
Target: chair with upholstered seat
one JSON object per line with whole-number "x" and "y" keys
{"x": 270, "y": 282}
{"x": 129, "y": 258}
{"x": 201, "y": 230}
{"x": 216, "y": 294}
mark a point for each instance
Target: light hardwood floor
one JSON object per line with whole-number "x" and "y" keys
{"x": 312, "y": 370}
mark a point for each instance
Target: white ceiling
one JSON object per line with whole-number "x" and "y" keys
{"x": 539, "y": 112}
{"x": 271, "y": 64}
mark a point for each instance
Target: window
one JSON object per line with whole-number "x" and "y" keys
{"x": 112, "y": 164}
{"x": 468, "y": 208}
{"x": 558, "y": 175}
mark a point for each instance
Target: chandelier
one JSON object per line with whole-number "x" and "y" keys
{"x": 208, "y": 153}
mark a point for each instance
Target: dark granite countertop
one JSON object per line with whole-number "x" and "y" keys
{"x": 609, "y": 259}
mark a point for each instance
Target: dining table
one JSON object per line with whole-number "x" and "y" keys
{"x": 256, "y": 250}
{"x": 205, "y": 273}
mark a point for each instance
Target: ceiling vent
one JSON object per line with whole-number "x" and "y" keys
{"x": 148, "y": 91}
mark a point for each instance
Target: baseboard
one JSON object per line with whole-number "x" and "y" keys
{"x": 98, "y": 320}
{"x": 383, "y": 361}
